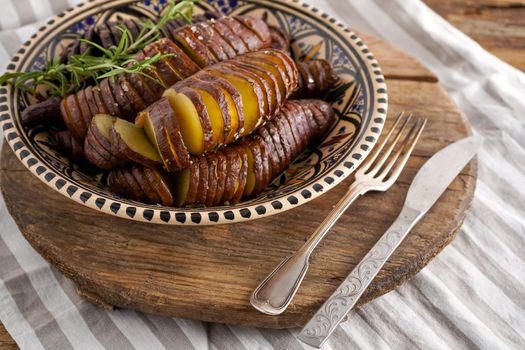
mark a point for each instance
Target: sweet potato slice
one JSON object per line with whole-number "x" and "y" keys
{"x": 212, "y": 178}
{"x": 99, "y": 156}
{"x": 180, "y": 186}
{"x": 101, "y": 105}
{"x": 140, "y": 177}
{"x": 297, "y": 129}
{"x": 178, "y": 60}
{"x": 67, "y": 144}
{"x": 308, "y": 117}
{"x": 118, "y": 186}
{"x": 44, "y": 112}
{"x": 83, "y": 107}
{"x": 229, "y": 36}
{"x": 132, "y": 143}
{"x": 280, "y": 40}
{"x": 243, "y": 174}
{"x": 90, "y": 100}
{"x": 251, "y": 95}
{"x": 275, "y": 71}
{"x": 134, "y": 186}
{"x": 141, "y": 88}
{"x": 221, "y": 178}
{"x": 80, "y": 126}
{"x": 258, "y": 78}
{"x": 233, "y": 100}
{"x": 257, "y": 27}
{"x": 108, "y": 98}
{"x": 273, "y": 154}
{"x": 208, "y": 37}
{"x": 168, "y": 74}
{"x": 105, "y": 36}
{"x": 284, "y": 63}
{"x": 286, "y": 135}
{"x": 163, "y": 130}
{"x": 211, "y": 35}
{"x": 194, "y": 181}
{"x": 266, "y": 167}
{"x": 68, "y": 120}
{"x": 202, "y": 189}
{"x": 294, "y": 135}
{"x": 270, "y": 82}
{"x": 233, "y": 167}
{"x": 193, "y": 118}
{"x": 255, "y": 167}
{"x": 124, "y": 105}
{"x": 271, "y": 131}
{"x": 193, "y": 47}
{"x": 251, "y": 40}
{"x": 216, "y": 106}
{"x": 158, "y": 181}
{"x": 137, "y": 103}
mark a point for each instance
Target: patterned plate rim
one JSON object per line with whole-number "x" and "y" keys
{"x": 364, "y": 142}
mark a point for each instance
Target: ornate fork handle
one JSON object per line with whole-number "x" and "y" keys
{"x": 274, "y": 294}
{"x": 324, "y": 322}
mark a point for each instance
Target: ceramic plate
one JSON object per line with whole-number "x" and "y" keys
{"x": 361, "y": 111}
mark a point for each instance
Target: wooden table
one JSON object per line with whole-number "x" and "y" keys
{"x": 498, "y": 25}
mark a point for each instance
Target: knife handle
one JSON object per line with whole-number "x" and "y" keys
{"x": 333, "y": 311}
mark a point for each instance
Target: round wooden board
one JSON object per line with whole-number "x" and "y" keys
{"x": 208, "y": 273}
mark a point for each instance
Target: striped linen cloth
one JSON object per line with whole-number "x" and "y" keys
{"x": 471, "y": 296}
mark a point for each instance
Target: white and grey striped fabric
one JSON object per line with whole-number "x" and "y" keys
{"x": 471, "y": 296}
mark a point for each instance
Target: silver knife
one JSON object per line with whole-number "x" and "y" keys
{"x": 428, "y": 185}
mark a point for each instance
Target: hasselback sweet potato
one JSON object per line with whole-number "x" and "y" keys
{"x": 127, "y": 94}
{"x": 108, "y": 34}
{"x": 240, "y": 170}
{"x": 217, "y": 105}
{"x": 315, "y": 78}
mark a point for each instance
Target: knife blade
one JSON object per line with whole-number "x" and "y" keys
{"x": 428, "y": 185}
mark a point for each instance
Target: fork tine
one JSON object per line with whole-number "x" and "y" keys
{"x": 368, "y": 163}
{"x": 403, "y": 144}
{"x": 408, "y": 148}
{"x": 391, "y": 147}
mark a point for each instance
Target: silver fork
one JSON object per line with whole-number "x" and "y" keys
{"x": 277, "y": 290}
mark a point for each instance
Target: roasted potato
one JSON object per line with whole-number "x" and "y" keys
{"x": 245, "y": 168}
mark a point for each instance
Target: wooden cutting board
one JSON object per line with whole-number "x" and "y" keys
{"x": 208, "y": 273}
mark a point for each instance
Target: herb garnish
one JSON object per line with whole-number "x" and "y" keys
{"x": 61, "y": 79}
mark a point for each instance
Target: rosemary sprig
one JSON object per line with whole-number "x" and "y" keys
{"x": 60, "y": 79}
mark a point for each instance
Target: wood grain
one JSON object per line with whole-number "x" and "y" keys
{"x": 6, "y": 342}
{"x": 497, "y": 25}
{"x": 208, "y": 273}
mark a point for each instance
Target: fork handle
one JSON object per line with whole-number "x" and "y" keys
{"x": 276, "y": 291}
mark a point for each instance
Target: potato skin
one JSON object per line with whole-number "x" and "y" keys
{"x": 140, "y": 177}
{"x": 194, "y": 181}
{"x": 125, "y": 152}
{"x": 171, "y": 146}
{"x": 212, "y": 179}
{"x": 218, "y": 96}
{"x": 315, "y": 78}
{"x": 202, "y": 189}
{"x": 257, "y": 27}
{"x": 221, "y": 178}
{"x": 280, "y": 40}
{"x": 69, "y": 145}
{"x": 127, "y": 94}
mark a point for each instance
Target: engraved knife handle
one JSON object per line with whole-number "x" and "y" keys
{"x": 334, "y": 310}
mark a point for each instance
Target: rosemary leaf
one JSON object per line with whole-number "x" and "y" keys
{"x": 61, "y": 79}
